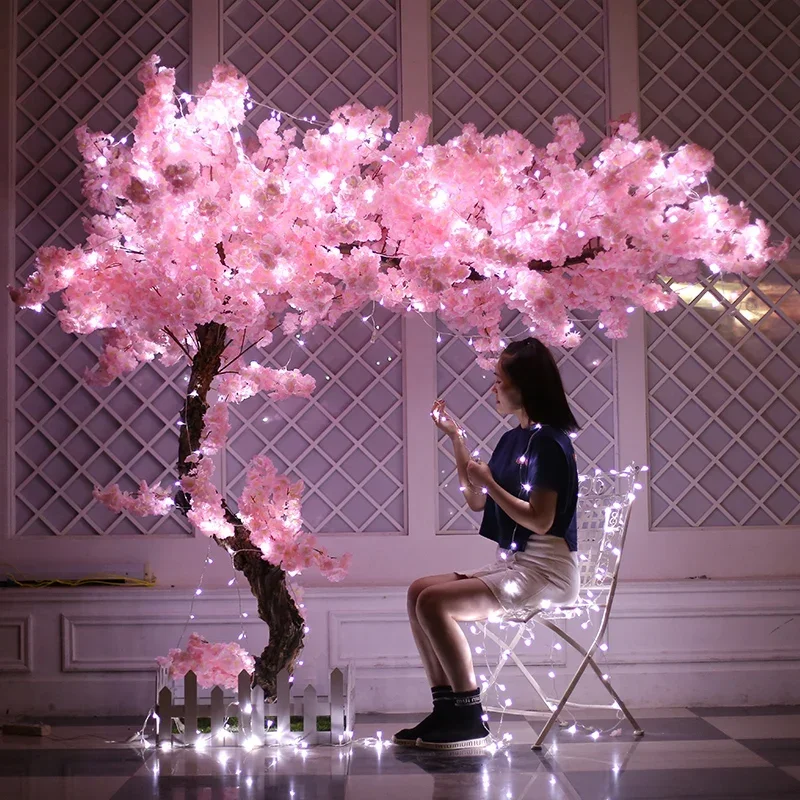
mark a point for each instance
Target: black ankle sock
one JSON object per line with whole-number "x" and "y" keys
{"x": 467, "y": 705}
{"x": 468, "y": 699}
{"x": 442, "y": 695}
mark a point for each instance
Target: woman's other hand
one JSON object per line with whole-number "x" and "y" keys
{"x": 442, "y": 421}
{"x": 479, "y": 474}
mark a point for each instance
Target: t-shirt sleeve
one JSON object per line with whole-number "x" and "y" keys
{"x": 547, "y": 466}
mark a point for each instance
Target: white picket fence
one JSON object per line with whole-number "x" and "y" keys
{"x": 248, "y": 705}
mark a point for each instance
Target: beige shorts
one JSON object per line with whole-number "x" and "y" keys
{"x": 546, "y": 571}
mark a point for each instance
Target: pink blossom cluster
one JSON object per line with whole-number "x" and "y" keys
{"x": 214, "y": 664}
{"x": 150, "y": 500}
{"x": 476, "y": 206}
{"x": 279, "y": 384}
{"x": 195, "y": 224}
{"x": 216, "y": 425}
{"x": 270, "y": 507}
{"x": 207, "y": 512}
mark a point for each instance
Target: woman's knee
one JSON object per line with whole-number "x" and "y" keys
{"x": 414, "y": 591}
{"x": 429, "y": 602}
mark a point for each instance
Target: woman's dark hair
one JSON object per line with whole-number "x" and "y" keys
{"x": 532, "y": 371}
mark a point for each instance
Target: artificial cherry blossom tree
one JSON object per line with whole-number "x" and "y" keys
{"x": 203, "y": 244}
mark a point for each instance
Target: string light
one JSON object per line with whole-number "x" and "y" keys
{"x": 630, "y": 472}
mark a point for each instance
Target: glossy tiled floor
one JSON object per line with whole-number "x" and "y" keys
{"x": 724, "y": 754}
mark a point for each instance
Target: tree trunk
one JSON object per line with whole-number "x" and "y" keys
{"x": 276, "y": 607}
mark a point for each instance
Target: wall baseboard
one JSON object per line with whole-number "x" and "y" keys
{"x": 673, "y": 643}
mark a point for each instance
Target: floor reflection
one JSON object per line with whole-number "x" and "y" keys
{"x": 702, "y": 754}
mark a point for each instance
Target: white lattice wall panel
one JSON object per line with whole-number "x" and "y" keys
{"x": 588, "y": 374}
{"x": 307, "y": 58}
{"x": 76, "y": 63}
{"x": 727, "y": 76}
{"x": 724, "y": 395}
{"x": 347, "y": 442}
{"x": 515, "y": 64}
{"x": 723, "y": 365}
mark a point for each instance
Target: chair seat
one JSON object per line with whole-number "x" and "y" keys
{"x": 583, "y": 604}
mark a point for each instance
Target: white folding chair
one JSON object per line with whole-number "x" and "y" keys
{"x": 604, "y": 501}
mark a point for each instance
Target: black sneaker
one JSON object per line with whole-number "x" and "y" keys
{"x": 465, "y": 727}
{"x": 442, "y": 708}
{"x": 408, "y": 736}
{"x": 456, "y": 737}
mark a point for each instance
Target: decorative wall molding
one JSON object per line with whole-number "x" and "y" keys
{"x": 127, "y": 642}
{"x": 16, "y": 643}
{"x": 721, "y": 642}
{"x": 364, "y": 639}
{"x": 77, "y": 630}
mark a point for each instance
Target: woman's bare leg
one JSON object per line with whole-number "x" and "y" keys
{"x": 430, "y": 661}
{"x": 440, "y": 607}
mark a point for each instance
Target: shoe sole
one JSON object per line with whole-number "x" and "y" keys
{"x": 465, "y": 744}
{"x": 404, "y": 742}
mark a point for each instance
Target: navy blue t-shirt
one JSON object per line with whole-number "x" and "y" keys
{"x": 550, "y": 465}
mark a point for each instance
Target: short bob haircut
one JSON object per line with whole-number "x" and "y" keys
{"x": 532, "y": 371}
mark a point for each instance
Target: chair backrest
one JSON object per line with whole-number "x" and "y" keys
{"x": 604, "y": 501}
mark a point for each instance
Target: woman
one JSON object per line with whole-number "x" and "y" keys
{"x": 528, "y": 493}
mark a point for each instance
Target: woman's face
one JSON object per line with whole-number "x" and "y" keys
{"x": 506, "y": 396}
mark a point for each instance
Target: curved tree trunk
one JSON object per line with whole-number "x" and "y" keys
{"x": 276, "y": 607}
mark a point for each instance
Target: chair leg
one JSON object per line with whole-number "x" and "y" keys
{"x": 497, "y": 640}
{"x": 637, "y": 730}
{"x": 532, "y": 681}
{"x": 560, "y": 707}
{"x": 509, "y": 646}
{"x": 588, "y": 661}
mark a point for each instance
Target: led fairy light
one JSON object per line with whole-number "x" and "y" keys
{"x": 312, "y": 120}
{"x": 375, "y": 327}
{"x": 242, "y": 614}
{"x": 250, "y": 104}
{"x": 197, "y": 592}
{"x": 551, "y": 673}
{"x": 191, "y": 616}
{"x": 508, "y": 332}
{"x": 482, "y": 677}
{"x": 502, "y": 702}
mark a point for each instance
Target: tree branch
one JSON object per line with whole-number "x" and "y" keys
{"x": 180, "y": 344}
{"x": 276, "y": 606}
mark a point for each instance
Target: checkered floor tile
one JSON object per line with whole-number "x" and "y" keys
{"x": 698, "y": 753}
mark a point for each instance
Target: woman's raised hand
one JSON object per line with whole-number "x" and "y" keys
{"x": 442, "y": 421}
